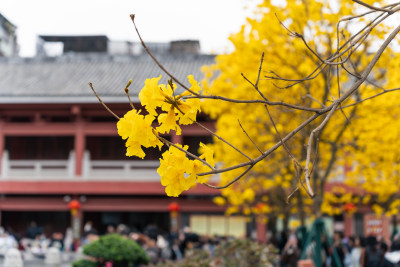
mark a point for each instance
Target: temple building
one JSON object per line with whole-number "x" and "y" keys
{"x": 59, "y": 147}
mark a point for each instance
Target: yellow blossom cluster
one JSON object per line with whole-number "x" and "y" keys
{"x": 177, "y": 171}
{"x": 174, "y": 108}
{"x": 138, "y": 131}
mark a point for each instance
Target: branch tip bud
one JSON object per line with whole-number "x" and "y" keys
{"x": 132, "y": 17}
{"x": 128, "y": 84}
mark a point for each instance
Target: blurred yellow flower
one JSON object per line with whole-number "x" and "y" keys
{"x": 139, "y": 132}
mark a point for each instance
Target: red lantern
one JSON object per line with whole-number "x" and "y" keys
{"x": 173, "y": 207}
{"x": 74, "y": 205}
{"x": 260, "y": 206}
{"x": 349, "y": 207}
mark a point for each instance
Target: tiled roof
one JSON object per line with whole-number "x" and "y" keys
{"x": 66, "y": 78}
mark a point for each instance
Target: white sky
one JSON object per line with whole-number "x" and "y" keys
{"x": 210, "y": 21}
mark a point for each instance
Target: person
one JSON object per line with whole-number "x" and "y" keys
{"x": 123, "y": 230}
{"x": 356, "y": 251}
{"x": 68, "y": 240}
{"x": 338, "y": 245}
{"x": 33, "y": 230}
{"x": 290, "y": 252}
{"x": 372, "y": 255}
{"x": 110, "y": 229}
{"x": 88, "y": 228}
{"x": 392, "y": 258}
{"x": 57, "y": 241}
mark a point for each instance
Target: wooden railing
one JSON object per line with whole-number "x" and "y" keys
{"x": 37, "y": 169}
{"x": 131, "y": 170}
{"x": 102, "y": 170}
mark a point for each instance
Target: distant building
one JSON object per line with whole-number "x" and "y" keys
{"x": 8, "y": 38}
{"x": 58, "y": 144}
{"x": 50, "y": 45}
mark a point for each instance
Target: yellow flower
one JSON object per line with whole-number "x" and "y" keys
{"x": 191, "y": 106}
{"x": 207, "y": 154}
{"x": 154, "y": 95}
{"x": 248, "y": 195}
{"x": 377, "y": 209}
{"x": 231, "y": 210}
{"x": 168, "y": 122}
{"x": 220, "y": 201}
{"x": 150, "y": 96}
{"x": 294, "y": 224}
{"x": 178, "y": 173}
{"x": 139, "y": 132}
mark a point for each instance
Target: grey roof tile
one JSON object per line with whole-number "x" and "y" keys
{"x": 68, "y": 76}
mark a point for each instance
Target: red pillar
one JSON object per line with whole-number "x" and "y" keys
{"x": 2, "y": 145}
{"x": 261, "y": 228}
{"x": 79, "y": 148}
{"x": 76, "y": 221}
{"x": 177, "y": 139}
{"x": 348, "y": 224}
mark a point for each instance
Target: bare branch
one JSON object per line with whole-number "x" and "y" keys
{"x": 101, "y": 102}
{"x": 309, "y": 147}
{"x": 157, "y": 62}
{"x": 371, "y": 97}
{"x": 372, "y": 7}
{"x": 280, "y": 138}
{"x": 241, "y": 126}
{"x": 231, "y": 182}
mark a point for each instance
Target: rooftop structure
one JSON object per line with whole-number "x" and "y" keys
{"x": 8, "y": 38}
{"x": 65, "y": 79}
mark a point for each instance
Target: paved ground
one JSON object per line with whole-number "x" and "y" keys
{"x": 31, "y": 261}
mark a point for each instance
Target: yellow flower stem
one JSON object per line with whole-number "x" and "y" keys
{"x": 127, "y": 93}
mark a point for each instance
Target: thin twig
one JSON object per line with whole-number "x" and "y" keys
{"x": 280, "y": 138}
{"x": 315, "y": 100}
{"x": 127, "y": 93}
{"x": 259, "y": 71}
{"x": 214, "y": 134}
{"x": 101, "y": 102}
{"x": 371, "y": 97}
{"x": 250, "y": 137}
{"x": 231, "y": 182}
{"x": 222, "y": 139}
{"x": 269, "y": 151}
{"x": 157, "y": 62}
{"x": 259, "y": 101}
{"x": 372, "y": 7}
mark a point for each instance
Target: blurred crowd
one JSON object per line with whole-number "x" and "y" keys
{"x": 161, "y": 246}
{"x": 354, "y": 251}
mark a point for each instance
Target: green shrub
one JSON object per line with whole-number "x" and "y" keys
{"x": 84, "y": 263}
{"x": 122, "y": 252}
{"x": 234, "y": 253}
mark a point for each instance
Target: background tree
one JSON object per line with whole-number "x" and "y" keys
{"x": 282, "y": 126}
{"x": 296, "y": 37}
